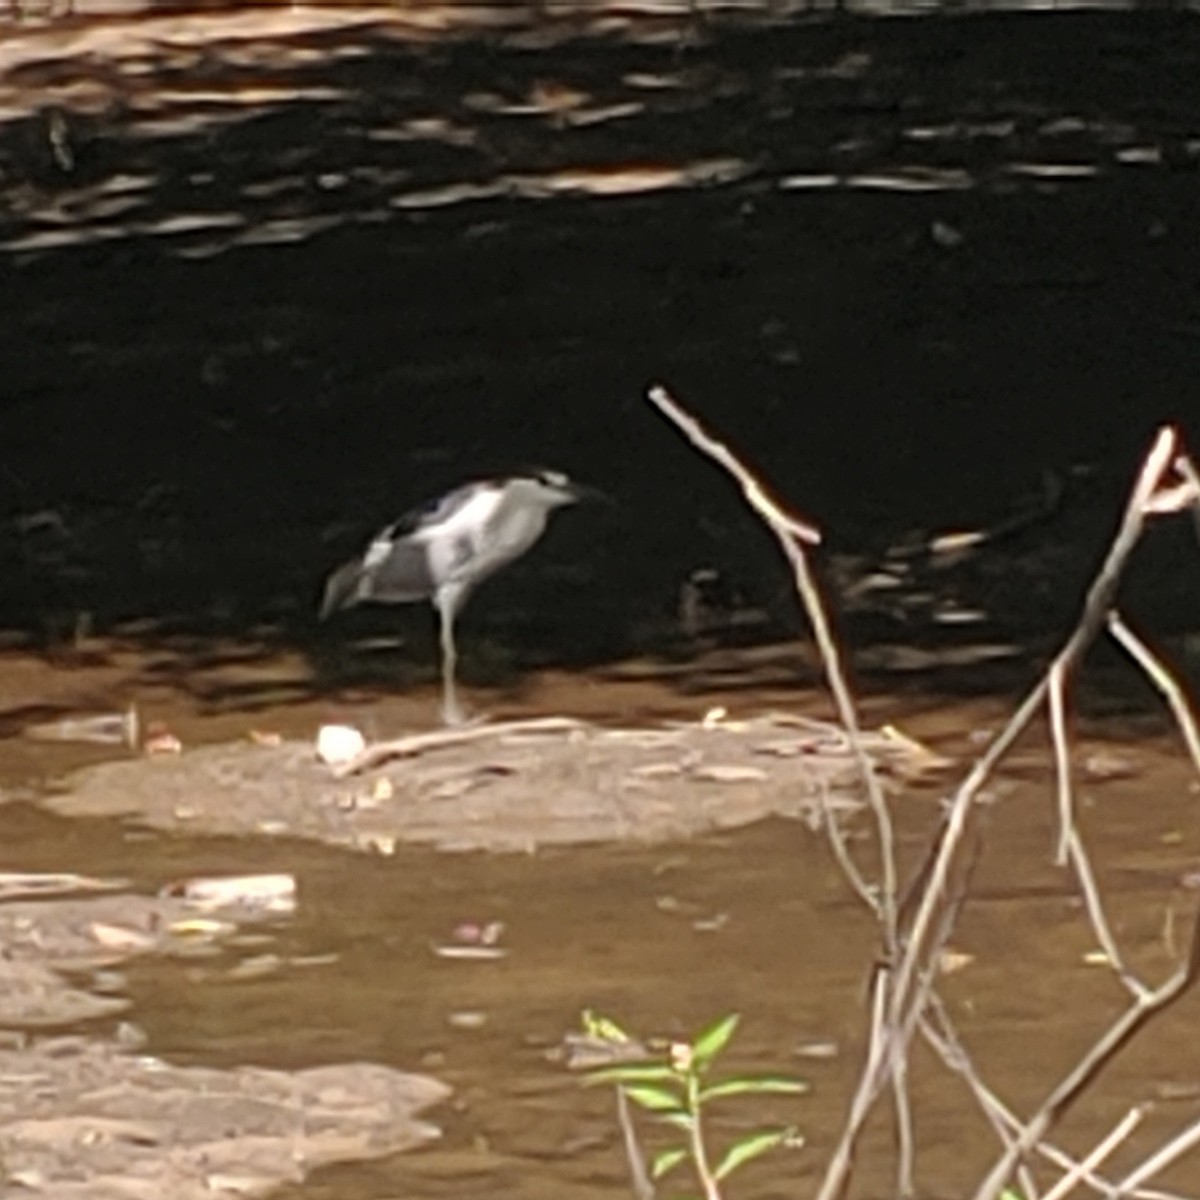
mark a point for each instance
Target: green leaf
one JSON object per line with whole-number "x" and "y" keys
{"x": 668, "y": 1160}
{"x": 713, "y": 1040}
{"x": 656, "y": 1099}
{"x": 751, "y": 1147}
{"x": 1011, "y": 1194}
{"x": 600, "y": 1027}
{"x": 633, "y": 1073}
{"x": 679, "y": 1118}
{"x": 743, "y": 1087}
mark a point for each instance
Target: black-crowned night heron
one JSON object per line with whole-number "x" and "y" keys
{"x": 443, "y": 550}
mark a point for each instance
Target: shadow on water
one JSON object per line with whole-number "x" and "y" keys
{"x": 273, "y": 276}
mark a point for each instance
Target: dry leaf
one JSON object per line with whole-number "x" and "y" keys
{"x": 120, "y": 937}
{"x": 162, "y": 742}
{"x": 951, "y": 961}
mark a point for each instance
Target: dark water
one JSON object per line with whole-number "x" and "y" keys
{"x": 269, "y": 279}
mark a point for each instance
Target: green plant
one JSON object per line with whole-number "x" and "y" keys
{"x": 677, "y": 1090}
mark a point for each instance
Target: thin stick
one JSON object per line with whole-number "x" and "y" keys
{"x": 1117, "y": 1036}
{"x": 860, "y": 1102}
{"x": 1096, "y": 605}
{"x": 419, "y": 743}
{"x": 905, "y": 1141}
{"x": 753, "y": 488}
{"x": 1062, "y": 760}
{"x": 841, "y": 852}
{"x": 643, "y": 1188}
{"x": 1161, "y": 1159}
{"x": 1118, "y": 1134}
{"x": 946, "y": 1042}
{"x": 1184, "y": 466}
{"x": 1095, "y": 910}
{"x": 791, "y": 531}
{"x": 1162, "y": 679}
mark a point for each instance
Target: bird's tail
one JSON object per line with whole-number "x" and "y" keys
{"x": 342, "y": 589}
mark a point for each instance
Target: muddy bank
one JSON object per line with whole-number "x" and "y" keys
{"x": 95, "y": 1117}
{"x": 83, "y": 1119}
{"x": 512, "y": 787}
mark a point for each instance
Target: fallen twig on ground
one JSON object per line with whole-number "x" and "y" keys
{"x": 419, "y": 743}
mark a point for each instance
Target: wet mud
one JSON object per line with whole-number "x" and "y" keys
{"x": 514, "y": 787}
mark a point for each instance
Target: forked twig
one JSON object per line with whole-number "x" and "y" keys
{"x": 792, "y": 534}
{"x": 1117, "y": 1036}
{"x": 1095, "y": 609}
{"x": 921, "y": 945}
{"x": 1082, "y": 1169}
{"x": 903, "y": 986}
{"x": 1159, "y": 1160}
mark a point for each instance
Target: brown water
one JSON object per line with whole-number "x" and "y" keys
{"x": 630, "y": 932}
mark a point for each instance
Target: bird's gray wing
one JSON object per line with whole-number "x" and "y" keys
{"x": 390, "y": 570}
{"x": 397, "y": 572}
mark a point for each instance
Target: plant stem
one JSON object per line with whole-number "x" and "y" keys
{"x": 708, "y": 1180}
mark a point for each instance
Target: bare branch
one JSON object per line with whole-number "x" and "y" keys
{"x": 1057, "y": 686}
{"x": 1118, "y": 1035}
{"x": 1160, "y": 1160}
{"x": 1162, "y": 679}
{"x": 1080, "y": 1171}
{"x": 419, "y": 743}
{"x": 1095, "y": 609}
{"x": 1095, "y": 910}
{"x": 792, "y": 533}
{"x": 906, "y": 986}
